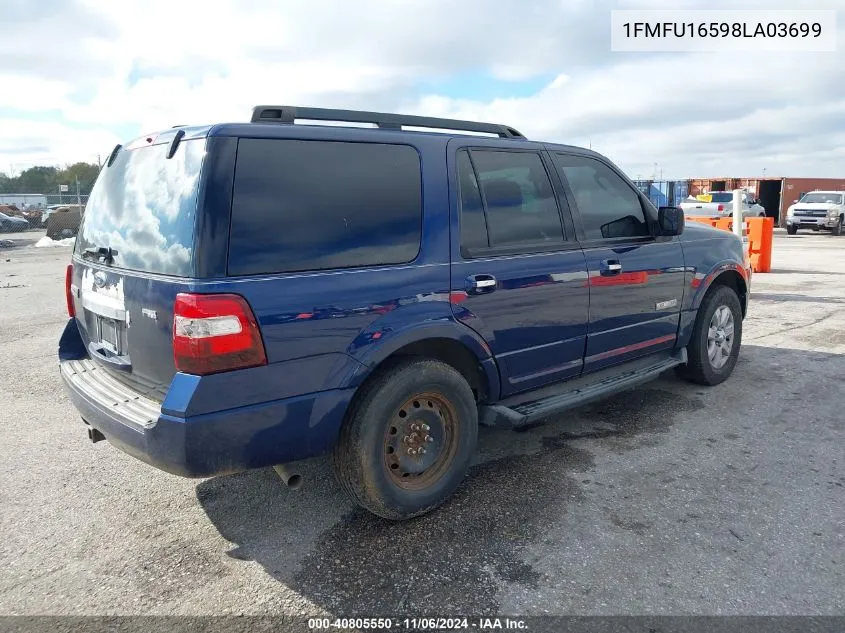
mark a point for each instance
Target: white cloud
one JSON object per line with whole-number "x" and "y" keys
{"x": 146, "y": 65}
{"x": 25, "y": 143}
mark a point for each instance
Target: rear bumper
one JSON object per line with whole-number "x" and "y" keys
{"x": 208, "y": 444}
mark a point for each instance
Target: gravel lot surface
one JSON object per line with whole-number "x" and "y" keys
{"x": 670, "y": 499}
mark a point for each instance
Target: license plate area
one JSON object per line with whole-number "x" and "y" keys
{"x": 108, "y": 335}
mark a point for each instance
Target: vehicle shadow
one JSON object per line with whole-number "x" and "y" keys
{"x": 787, "y": 271}
{"x": 316, "y": 542}
{"x": 768, "y": 296}
{"x": 456, "y": 559}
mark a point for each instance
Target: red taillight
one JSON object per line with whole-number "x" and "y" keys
{"x": 71, "y": 310}
{"x": 721, "y": 207}
{"x": 214, "y": 333}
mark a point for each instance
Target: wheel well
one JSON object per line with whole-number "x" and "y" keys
{"x": 448, "y": 351}
{"x": 733, "y": 280}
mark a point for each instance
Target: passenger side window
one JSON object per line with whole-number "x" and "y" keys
{"x": 609, "y": 208}
{"x": 518, "y": 202}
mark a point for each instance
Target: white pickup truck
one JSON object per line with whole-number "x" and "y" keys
{"x": 721, "y": 205}
{"x": 817, "y": 210}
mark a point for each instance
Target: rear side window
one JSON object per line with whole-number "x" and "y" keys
{"x": 519, "y": 207}
{"x": 310, "y": 205}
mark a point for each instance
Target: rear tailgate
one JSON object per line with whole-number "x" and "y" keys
{"x": 133, "y": 255}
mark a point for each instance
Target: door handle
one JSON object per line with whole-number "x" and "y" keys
{"x": 611, "y": 267}
{"x": 478, "y": 284}
{"x": 117, "y": 362}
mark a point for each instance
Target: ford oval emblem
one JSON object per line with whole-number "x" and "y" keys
{"x": 100, "y": 279}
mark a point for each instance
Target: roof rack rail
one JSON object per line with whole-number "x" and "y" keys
{"x": 386, "y": 120}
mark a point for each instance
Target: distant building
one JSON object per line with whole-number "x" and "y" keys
{"x": 24, "y": 199}
{"x": 775, "y": 194}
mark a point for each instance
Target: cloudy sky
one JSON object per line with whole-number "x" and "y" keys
{"x": 78, "y": 76}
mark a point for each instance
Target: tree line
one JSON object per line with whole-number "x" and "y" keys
{"x": 46, "y": 180}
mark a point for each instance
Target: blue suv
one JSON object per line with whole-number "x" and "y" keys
{"x": 247, "y": 295}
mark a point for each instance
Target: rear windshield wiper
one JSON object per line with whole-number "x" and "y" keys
{"x": 103, "y": 253}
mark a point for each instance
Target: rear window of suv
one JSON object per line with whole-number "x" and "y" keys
{"x": 143, "y": 206}
{"x": 312, "y": 205}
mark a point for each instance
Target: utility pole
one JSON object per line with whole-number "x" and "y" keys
{"x": 78, "y": 198}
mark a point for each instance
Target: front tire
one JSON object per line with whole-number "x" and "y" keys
{"x": 837, "y": 230}
{"x": 408, "y": 439}
{"x": 716, "y": 338}
{"x": 792, "y": 230}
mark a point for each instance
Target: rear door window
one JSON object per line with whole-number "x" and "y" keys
{"x": 510, "y": 195}
{"x": 144, "y": 207}
{"x": 312, "y": 205}
{"x": 473, "y": 222}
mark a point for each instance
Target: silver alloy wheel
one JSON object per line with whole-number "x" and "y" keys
{"x": 720, "y": 337}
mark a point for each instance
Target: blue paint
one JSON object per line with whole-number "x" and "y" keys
{"x": 551, "y": 316}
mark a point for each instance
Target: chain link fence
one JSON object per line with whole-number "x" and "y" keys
{"x": 60, "y": 216}
{"x": 664, "y": 193}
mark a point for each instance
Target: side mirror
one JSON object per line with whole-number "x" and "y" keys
{"x": 670, "y": 220}
{"x": 623, "y": 227}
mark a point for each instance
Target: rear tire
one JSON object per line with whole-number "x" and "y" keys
{"x": 408, "y": 439}
{"x": 792, "y": 230}
{"x": 716, "y": 337}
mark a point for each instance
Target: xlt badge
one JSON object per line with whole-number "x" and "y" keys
{"x": 662, "y": 305}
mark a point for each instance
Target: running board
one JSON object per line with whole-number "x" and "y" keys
{"x": 520, "y": 411}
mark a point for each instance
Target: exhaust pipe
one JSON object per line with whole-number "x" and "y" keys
{"x": 290, "y": 479}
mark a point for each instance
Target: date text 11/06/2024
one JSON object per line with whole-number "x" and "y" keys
{"x": 419, "y": 624}
{"x": 722, "y": 29}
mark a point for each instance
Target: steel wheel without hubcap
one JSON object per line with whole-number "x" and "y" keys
{"x": 420, "y": 443}
{"x": 720, "y": 337}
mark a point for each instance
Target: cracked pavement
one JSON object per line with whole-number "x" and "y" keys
{"x": 669, "y": 499}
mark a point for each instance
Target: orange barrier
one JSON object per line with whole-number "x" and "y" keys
{"x": 760, "y": 238}
{"x": 757, "y": 233}
{"x": 702, "y": 220}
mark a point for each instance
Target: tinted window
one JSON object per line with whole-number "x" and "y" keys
{"x": 473, "y": 224}
{"x": 520, "y": 204}
{"x": 609, "y": 208}
{"x": 829, "y": 198}
{"x": 307, "y": 205}
{"x": 144, "y": 207}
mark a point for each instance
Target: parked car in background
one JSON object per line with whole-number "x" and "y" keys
{"x": 12, "y": 224}
{"x": 721, "y": 205}
{"x": 375, "y": 294}
{"x": 47, "y": 211}
{"x": 817, "y": 210}
{"x": 64, "y": 221}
